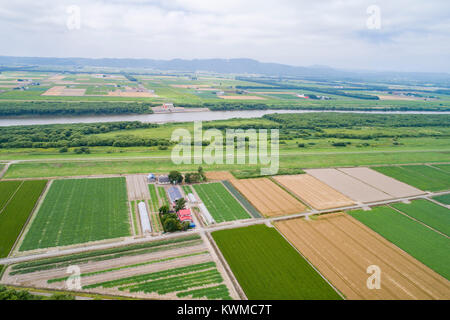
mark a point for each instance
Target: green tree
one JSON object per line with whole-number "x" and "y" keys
{"x": 180, "y": 204}
{"x": 164, "y": 209}
{"x": 175, "y": 177}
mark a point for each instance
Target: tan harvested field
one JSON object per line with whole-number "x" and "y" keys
{"x": 381, "y": 182}
{"x": 314, "y": 192}
{"x": 63, "y": 91}
{"x": 342, "y": 249}
{"x": 137, "y": 187}
{"x": 242, "y": 98}
{"x": 273, "y": 92}
{"x": 268, "y": 198}
{"x": 131, "y": 94}
{"x": 219, "y": 175}
{"x": 349, "y": 186}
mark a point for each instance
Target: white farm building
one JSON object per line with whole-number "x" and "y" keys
{"x": 145, "y": 221}
{"x": 205, "y": 214}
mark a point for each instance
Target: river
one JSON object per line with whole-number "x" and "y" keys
{"x": 174, "y": 117}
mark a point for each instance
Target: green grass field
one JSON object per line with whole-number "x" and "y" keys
{"x": 7, "y": 189}
{"x": 15, "y": 214}
{"x": 220, "y": 203}
{"x": 80, "y": 210}
{"x": 427, "y": 212}
{"x": 268, "y": 267}
{"x": 163, "y": 196}
{"x": 424, "y": 177}
{"x": 154, "y": 202}
{"x": 444, "y": 199}
{"x": 424, "y": 244}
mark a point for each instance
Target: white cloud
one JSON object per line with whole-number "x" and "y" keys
{"x": 414, "y": 34}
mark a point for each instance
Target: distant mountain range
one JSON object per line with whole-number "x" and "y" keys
{"x": 233, "y": 66}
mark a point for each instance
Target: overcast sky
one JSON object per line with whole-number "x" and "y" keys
{"x": 411, "y": 35}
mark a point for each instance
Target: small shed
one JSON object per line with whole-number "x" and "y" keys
{"x": 151, "y": 177}
{"x": 163, "y": 179}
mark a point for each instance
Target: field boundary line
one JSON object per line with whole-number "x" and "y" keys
{"x": 315, "y": 269}
{"x": 414, "y": 219}
{"x": 10, "y": 198}
{"x": 309, "y": 207}
{"x": 30, "y": 218}
{"x": 223, "y": 261}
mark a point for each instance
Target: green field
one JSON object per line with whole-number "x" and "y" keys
{"x": 80, "y": 210}
{"x": 7, "y": 189}
{"x": 445, "y": 199}
{"x": 424, "y": 244}
{"x": 184, "y": 281}
{"x": 427, "y": 212}
{"x": 15, "y": 214}
{"x": 423, "y": 177}
{"x": 154, "y": 202}
{"x": 220, "y": 203}
{"x": 163, "y": 196}
{"x": 245, "y": 203}
{"x": 272, "y": 268}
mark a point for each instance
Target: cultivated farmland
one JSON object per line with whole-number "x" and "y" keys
{"x": 80, "y": 210}
{"x": 343, "y": 248}
{"x": 427, "y": 212}
{"x": 423, "y": 177}
{"x": 349, "y": 186}
{"x": 424, "y": 244}
{"x": 165, "y": 269}
{"x": 16, "y": 211}
{"x": 220, "y": 203}
{"x": 444, "y": 199}
{"x": 393, "y": 187}
{"x": 268, "y": 267}
{"x": 267, "y": 197}
{"x": 314, "y": 192}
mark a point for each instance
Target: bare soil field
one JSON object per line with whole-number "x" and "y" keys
{"x": 342, "y": 249}
{"x": 381, "y": 182}
{"x": 392, "y": 97}
{"x": 190, "y": 86}
{"x": 219, "y": 175}
{"x": 137, "y": 187}
{"x": 349, "y": 186}
{"x": 242, "y": 98}
{"x": 63, "y": 91}
{"x": 314, "y": 192}
{"x": 267, "y": 197}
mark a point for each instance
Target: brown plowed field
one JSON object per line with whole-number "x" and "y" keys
{"x": 314, "y": 192}
{"x": 219, "y": 175}
{"x": 270, "y": 199}
{"x": 137, "y": 187}
{"x": 342, "y": 248}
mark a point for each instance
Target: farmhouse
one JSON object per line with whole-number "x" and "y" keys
{"x": 185, "y": 215}
{"x": 168, "y": 106}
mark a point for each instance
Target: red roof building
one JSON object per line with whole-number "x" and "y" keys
{"x": 185, "y": 215}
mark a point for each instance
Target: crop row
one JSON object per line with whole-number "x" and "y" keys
{"x": 247, "y": 205}
{"x": 215, "y": 292}
{"x": 16, "y": 213}
{"x": 152, "y": 276}
{"x": 75, "y": 258}
{"x": 89, "y": 274}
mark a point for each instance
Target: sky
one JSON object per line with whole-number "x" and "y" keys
{"x": 396, "y": 35}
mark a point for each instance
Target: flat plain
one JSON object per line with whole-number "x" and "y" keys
{"x": 267, "y": 197}
{"x": 343, "y": 248}
{"x": 80, "y": 210}
{"x": 427, "y": 246}
{"x": 314, "y": 192}
{"x": 272, "y": 268}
